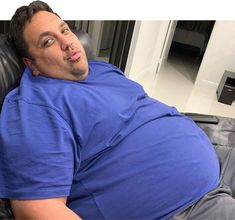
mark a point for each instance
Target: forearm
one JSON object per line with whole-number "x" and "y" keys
{"x": 42, "y": 209}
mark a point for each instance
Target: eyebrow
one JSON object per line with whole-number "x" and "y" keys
{"x": 46, "y": 33}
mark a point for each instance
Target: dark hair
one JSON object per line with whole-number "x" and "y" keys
{"x": 23, "y": 15}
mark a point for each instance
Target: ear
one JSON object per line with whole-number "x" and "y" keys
{"x": 29, "y": 63}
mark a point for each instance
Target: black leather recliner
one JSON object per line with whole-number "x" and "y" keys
{"x": 220, "y": 130}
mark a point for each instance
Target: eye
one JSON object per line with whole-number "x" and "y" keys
{"x": 48, "y": 42}
{"x": 65, "y": 30}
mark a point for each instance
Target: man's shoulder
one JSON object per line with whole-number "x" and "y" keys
{"x": 27, "y": 93}
{"x": 12, "y": 96}
{"x": 99, "y": 63}
{"x": 102, "y": 66}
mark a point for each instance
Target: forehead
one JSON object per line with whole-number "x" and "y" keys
{"x": 41, "y": 22}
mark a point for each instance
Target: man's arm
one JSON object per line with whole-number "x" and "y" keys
{"x": 54, "y": 208}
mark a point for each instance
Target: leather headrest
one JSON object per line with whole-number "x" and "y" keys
{"x": 11, "y": 67}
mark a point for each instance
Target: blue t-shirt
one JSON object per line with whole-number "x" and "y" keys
{"x": 104, "y": 143}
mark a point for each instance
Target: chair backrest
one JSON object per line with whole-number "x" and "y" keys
{"x": 86, "y": 43}
{"x": 11, "y": 65}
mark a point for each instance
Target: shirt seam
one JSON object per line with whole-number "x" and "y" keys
{"x": 93, "y": 198}
{"x": 49, "y": 107}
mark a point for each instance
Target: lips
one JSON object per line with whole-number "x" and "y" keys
{"x": 74, "y": 56}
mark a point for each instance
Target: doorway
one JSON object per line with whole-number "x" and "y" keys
{"x": 187, "y": 47}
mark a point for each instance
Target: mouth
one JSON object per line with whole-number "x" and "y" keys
{"x": 74, "y": 57}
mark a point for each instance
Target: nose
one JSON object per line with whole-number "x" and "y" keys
{"x": 65, "y": 42}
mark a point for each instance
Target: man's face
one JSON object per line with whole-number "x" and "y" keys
{"x": 55, "y": 51}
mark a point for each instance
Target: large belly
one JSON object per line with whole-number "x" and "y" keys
{"x": 156, "y": 170}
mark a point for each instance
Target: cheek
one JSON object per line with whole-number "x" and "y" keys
{"x": 51, "y": 56}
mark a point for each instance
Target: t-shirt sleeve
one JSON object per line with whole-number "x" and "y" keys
{"x": 37, "y": 153}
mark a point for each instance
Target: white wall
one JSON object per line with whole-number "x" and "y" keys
{"x": 219, "y": 55}
{"x": 143, "y": 55}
